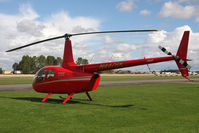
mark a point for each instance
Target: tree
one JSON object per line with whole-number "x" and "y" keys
{"x": 41, "y": 61}
{"x": 30, "y": 64}
{"x": 33, "y": 64}
{"x": 15, "y": 66}
{"x": 81, "y": 61}
{"x": 50, "y": 60}
{"x": 58, "y": 61}
{"x": 1, "y": 71}
{"x": 25, "y": 64}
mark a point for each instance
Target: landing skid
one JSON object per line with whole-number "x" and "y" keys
{"x": 64, "y": 98}
{"x": 46, "y": 97}
{"x": 189, "y": 79}
{"x": 89, "y": 96}
{"x": 86, "y": 94}
{"x": 69, "y": 97}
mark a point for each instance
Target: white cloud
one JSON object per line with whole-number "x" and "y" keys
{"x": 156, "y": 37}
{"x": 145, "y": 12}
{"x": 115, "y": 53}
{"x": 24, "y": 28}
{"x": 149, "y": 48}
{"x": 188, "y": 1}
{"x": 19, "y": 29}
{"x": 109, "y": 40}
{"x": 27, "y": 12}
{"x": 175, "y": 10}
{"x": 126, "y": 6}
{"x": 30, "y": 27}
{"x": 171, "y": 41}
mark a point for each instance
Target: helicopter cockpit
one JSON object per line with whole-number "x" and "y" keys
{"x": 44, "y": 74}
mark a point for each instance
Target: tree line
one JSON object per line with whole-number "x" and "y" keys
{"x": 30, "y": 65}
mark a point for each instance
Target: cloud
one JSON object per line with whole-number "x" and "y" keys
{"x": 27, "y": 12}
{"x": 109, "y": 40}
{"x": 126, "y": 6}
{"x": 25, "y": 27}
{"x": 177, "y": 10}
{"x": 171, "y": 41}
{"x": 30, "y": 27}
{"x": 188, "y": 1}
{"x": 115, "y": 53}
{"x": 145, "y": 12}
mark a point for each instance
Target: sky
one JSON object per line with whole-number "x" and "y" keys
{"x": 23, "y": 22}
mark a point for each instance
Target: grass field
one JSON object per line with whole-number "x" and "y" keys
{"x": 155, "y": 108}
{"x": 28, "y": 80}
{"x": 15, "y": 80}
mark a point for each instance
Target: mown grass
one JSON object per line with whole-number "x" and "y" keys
{"x": 144, "y": 77}
{"x": 28, "y": 80}
{"x": 155, "y": 108}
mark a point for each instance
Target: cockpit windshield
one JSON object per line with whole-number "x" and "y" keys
{"x": 41, "y": 75}
{"x": 44, "y": 74}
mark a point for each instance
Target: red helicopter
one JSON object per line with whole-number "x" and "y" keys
{"x": 70, "y": 78}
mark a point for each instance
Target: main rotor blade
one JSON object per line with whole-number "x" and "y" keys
{"x": 58, "y": 37}
{"x": 69, "y": 35}
{"x": 102, "y": 32}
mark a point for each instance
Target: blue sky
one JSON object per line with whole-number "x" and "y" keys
{"x": 34, "y": 20}
{"x": 106, "y": 12}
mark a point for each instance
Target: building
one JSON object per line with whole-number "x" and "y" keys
{"x": 7, "y": 72}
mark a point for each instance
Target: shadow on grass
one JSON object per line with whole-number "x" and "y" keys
{"x": 71, "y": 101}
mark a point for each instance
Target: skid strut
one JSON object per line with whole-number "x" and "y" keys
{"x": 46, "y": 97}
{"x": 67, "y": 98}
{"x": 89, "y": 96}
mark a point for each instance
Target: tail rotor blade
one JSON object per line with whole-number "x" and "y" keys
{"x": 164, "y": 50}
{"x": 181, "y": 61}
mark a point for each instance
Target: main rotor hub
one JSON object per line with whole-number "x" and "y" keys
{"x": 67, "y": 36}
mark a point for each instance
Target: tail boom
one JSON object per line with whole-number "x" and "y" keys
{"x": 121, "y": 64}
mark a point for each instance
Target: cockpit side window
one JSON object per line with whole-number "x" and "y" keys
{"x": 51, "y": 74}
{"x": 41, "y": 75}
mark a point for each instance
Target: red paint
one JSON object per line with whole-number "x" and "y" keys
{"x": 182, "y": 53}
{"x": 71, "y": 78}
{"x": 46, "y": 97}
{"x": 68, "y": 55}
{"x": 67, "y": 98}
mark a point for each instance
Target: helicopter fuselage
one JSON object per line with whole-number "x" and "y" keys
{"x": 60, "y": 80}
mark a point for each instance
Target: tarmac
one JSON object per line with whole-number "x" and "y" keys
{"x": 19, "y": 87}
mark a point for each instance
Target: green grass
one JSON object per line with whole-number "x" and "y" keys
{"x": 28, "y": 80}
{"x": 119, "y": 78}
{"x": 15, "y": 80}
{"x": 155, "y": 108}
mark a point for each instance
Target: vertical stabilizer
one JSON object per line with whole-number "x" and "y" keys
{"x": 182, "y": 54}
{"x": 68, "y": 55}
{"x": 182, "y": 50}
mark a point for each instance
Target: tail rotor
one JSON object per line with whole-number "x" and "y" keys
{"x": 179, "y": 60}
{"x": 181, "y": 56}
